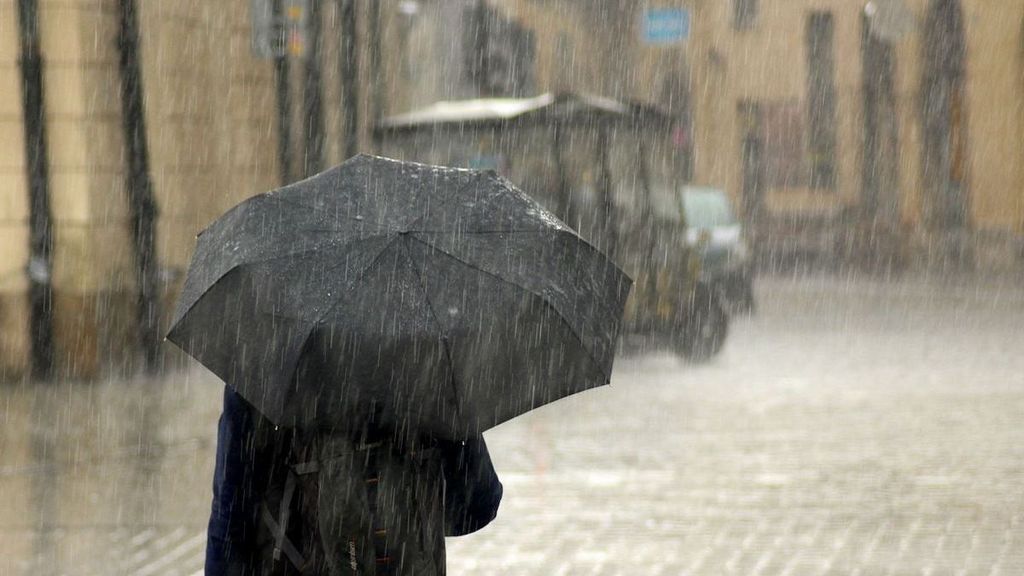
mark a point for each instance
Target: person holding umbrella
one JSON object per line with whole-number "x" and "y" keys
{"x": 249, "y": 464}
{"x": 371, "y": 323}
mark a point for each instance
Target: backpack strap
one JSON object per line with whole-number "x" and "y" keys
{"x": 306, "y": 468}
{"x": 277, "y": 530}
{"x": 284, "y": 515}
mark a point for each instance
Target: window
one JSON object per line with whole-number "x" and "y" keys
{"x": 744, "y": 14}
{"x": 785, "y": 157}
{"x": 499, "y": 53}
{"x": 821, "y": 99}
{"x": 777, "y": 152}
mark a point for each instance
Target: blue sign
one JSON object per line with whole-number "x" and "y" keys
{"x": 666, "y": 25}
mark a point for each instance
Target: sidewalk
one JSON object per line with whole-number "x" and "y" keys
{"x": 852, "y": 426}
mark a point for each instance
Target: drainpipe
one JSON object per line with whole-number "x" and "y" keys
{"x": 40, "y": 221}
{"x": 609, "y": 213}
{"x": 140, "y": 185}
{"x": 349, "y": 77}
{"x": 481, "y": 65}
{"x": 649, "y": 290}
{"x": 376, "y": 70}
{"x": 284, "y": 100}
{"x": 564, "y": 202}
{"x": 313, "y": 125}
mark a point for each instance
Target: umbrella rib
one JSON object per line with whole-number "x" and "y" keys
{"x": 354, "y": 281}
{"x": 484, "y": 232}
{"x": 278, "y": 196}
{"x": 560, "y": 231}
{"x": 271, "y": 259}
{"x": 311, "y": 249}
{"x": 351, "y": 283}
{"x": 552, "y": 230}
{"x": 455, "y": 197}
{"x": 445, "y": 202}
{"x": 541, "y": 297}
{"x": 440, "y": 327}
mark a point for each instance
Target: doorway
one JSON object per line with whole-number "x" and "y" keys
{"x": 880, "y": 198}
{"x": 751, "y": 120}
{"x": 944, "y": 120}
{"x": 876, "y": 240}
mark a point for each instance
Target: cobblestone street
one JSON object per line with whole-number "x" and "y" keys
{"x": 849, "y": 427}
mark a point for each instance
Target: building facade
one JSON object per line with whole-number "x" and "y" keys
{"x": 212, "y": 128}
{"x": 880, "y": 133}
{"x": 883, "y": 132}
{"x": 886, "y": 133}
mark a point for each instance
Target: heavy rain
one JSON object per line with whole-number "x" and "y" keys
{"x": 517, "y": 287}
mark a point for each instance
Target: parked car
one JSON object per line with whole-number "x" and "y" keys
{"x": 610, "y": 169}
{"x": 713, "y": 230}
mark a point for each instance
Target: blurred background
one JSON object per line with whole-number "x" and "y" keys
{"x": 821, "y": 201}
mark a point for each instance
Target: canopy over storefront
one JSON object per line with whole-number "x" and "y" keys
{"x": 546, "y": 108}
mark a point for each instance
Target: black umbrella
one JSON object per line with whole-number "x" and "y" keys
{"x": 439, "y": 299}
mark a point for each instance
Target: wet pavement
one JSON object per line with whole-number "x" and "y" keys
{"x": 850, "y": 427}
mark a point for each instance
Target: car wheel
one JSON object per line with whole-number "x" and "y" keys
{"x": 705, "y": 330}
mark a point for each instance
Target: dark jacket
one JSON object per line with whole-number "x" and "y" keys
{"x": 246, "y": 463}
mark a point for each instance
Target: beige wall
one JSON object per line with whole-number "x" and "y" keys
{"x": 13, "y": 203}
{"x": 996, "y": 120}
{"x": 768, "y": 63}
{"x": 82, "y": 126}
{"x": 210, "y": 113}
{"x": 995, "y": 101}
{"x": 210, "y": 109}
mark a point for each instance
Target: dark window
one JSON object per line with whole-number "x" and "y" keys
{"x": 565, "y": 60}
{"x": 744, "y": 14}
{"x": 774, "y": 147}
{"x": 821, "y": 99}
{"x": 785, "y": 163}
{"x": 499, "y": 53}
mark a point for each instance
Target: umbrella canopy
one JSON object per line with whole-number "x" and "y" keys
{"x": 444, "y": 301}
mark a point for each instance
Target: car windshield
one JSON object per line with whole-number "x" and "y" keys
{"x": 707, "y": 208}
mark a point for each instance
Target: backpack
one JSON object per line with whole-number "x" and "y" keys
{"x": 353, "y": 507}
